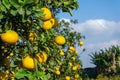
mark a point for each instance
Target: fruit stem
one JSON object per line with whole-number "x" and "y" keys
{"x": 36, "y": 67}
{"x": 10, "y": 25}
{"x": 30, "y": 47}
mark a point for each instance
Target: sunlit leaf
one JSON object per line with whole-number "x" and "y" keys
{"x": 21, "y": 74}
{"x": 6, "y": 3}
{"x": 2, "y": 8}
{"x": 1, "y": 16}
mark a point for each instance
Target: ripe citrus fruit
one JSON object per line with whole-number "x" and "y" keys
{"x": 67, "y": 78}
{"x": 70, "y": 63}
{"x": 81, "y": 43}
{"x": 41, "y": 57}
{"x": 76, "y": 76}
{"x": 7, "y": 71}
{"x": 71, "y": 49}
{"x": 73, "y": 58}
{"x": 11, "y": 54}
{"x": 48, "y": 24}
{"x": 78, "y": 66}
{"x": 44, "y": 56}
{"x": 59, "y": 63}
{"x": 58, "y": 72}
{"x": 9, "y": 36}
{"x": 47, "y": 13}
{"x": 12, "y": 78}
{"x": 74, "y": 68}
{"x": 57, "y": 69}
{"x": 60, "y": 40}
{"x": 28, "y": 62}
{"x": 3, "y": 76}
{"x": 32, "y": 36}
{"x": 76, "y": 51}
{"x": 61, "y": 53}
{"x": 52, "y": 20}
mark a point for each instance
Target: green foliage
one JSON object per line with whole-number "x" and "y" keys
{"x": 29, "y": 7}
{"x": 30, "y": 76}
{"x": 24, "y": 17}
{"x": 106, "y": 59}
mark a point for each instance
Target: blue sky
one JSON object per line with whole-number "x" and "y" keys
{"x": 94, "y": 9}
{"x": 99, "y": 21}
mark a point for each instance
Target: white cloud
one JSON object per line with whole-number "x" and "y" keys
{"x": 98, "y": 27}
{"x": 108, "y": 44}
{"x": 101, "y": 45}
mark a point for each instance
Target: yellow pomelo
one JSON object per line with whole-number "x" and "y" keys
{"x": 28, "y": 62}
{"x": 58, "y": 72}
{"x": 67, "y": 78}
{"x": 60, "y": 40}
{"x": 48, "y": 24}
{"x": 47, "y": 13}
{"x": 32, "y": 36}
{"x": 9, "y": 36}
{"x": 81, "y": 43}
{"x": 61, "y": 53}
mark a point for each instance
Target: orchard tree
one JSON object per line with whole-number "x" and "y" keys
{"x": 34, "y": 44}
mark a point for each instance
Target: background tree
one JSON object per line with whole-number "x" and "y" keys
{"x": 107, "y": 60}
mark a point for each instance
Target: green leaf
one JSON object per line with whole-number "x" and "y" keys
{"x": 12, "y": 64}
{"x": 28, "y": 1}
{"x": 1, "y": 16}
{"x": 51, "y": 70}
{"x": 105, "y": 62}
{"x": 21, "y": 2}
{"x": 42, "y": 75}
{"x": 6, "y": 26}
{"x": 6, "y": 3}
{"x": 35, "y": 47}
{"x": 28, "y": 12}
{"x": 40, "y": 22}
{"x": 0, "y": 30}
{"x": 2, "y": 8}
{"x": 49, "y": 1}
{"x": 37, "y": 12}
{"x": 70, "y": 12}
{"x": 13, "y": 12}
{"x": 66, "y": 3}
{"x": 72, "y": 7}
{"x": 20, "y": 74}
{"x": 30, "y": 76}
{"x": 31, "y": 1}
{"x": 67, "y": 10}
{"x": 24, "y": 73}
{"x": 21, "y": 11}
{"x": 15, "y": 3}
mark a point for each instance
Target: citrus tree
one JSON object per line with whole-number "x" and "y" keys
{"x": 34, "y": 44}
